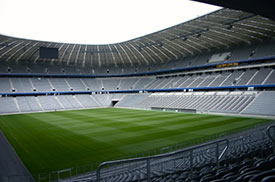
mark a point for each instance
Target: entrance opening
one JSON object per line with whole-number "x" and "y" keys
{"x": 114, "y": 102}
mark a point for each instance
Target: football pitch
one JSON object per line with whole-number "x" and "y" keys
{"x": 58, "y": 140}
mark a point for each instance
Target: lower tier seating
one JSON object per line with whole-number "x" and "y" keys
{"x": 249, "y": 158}
{"x": 247, "y": 102}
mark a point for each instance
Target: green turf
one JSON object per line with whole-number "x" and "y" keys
{"x": 59, "y": 140}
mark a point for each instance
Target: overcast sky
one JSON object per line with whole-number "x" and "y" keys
{"x": 94, "y": 21}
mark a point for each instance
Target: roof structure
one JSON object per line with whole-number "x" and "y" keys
{"x": 219, "y": 30}
{"x": 264, "y": 7}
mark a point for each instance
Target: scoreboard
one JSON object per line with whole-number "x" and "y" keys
{"x": 227, "y": 65}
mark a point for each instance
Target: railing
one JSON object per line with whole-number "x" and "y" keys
{"x": 79, "y": 171}
{"x": 271, "y": 135}
{"x": 148, "y": 159}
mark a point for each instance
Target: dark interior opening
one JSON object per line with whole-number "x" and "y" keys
{"x": 114, "y": 102}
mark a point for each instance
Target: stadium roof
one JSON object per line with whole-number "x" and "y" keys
{"x": 216, "y": 31}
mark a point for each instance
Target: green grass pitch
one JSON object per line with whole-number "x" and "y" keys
{"x": 58, "y": 140}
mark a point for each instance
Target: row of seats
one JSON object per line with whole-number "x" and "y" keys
{"x": 249, "y": 158}
{"x": 236, "y": 77}
{"x": 26, "y": 85}
{"x": 248, "y": 102}
{"x": 51, "y": 103}
{"x": 262, "y": 76}
{"x": 261, "y": 103}
{"x": 225, "y": 102}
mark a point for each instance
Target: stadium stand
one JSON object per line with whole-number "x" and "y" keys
{"x": 59, "y": 84}
{"x": 5, "y": 85}
{"x": 41, "y": 84}
{"x": 225, "y": 102}
{"x": 76, "y": 84}
{"x": 8, "y": 105}
{"x": 246, "y": 156}
{"x": 49, "y": 103}
{"x": 28, "y": 104}
{"x": 259, "y": 76}
{"x": 87, "y": 101}
{"x": 270, "y": 79}
{"x": 263, "y": 104}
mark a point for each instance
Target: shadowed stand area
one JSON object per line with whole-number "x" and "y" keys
{"x": 11, "y": 167}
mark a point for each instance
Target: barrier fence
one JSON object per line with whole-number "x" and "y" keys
{"x": 149, "y": 160}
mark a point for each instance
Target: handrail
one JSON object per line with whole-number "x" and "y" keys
{"x": 148, "y": 158}
{"x": 224, "y": 150}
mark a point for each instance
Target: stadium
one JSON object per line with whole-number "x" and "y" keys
{"x": 193, "y": 102}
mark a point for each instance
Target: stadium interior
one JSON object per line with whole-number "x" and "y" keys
{"x": 220, "y": 63}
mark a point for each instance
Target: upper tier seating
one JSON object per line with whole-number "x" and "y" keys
{"x": 226, "y": 78}
{"x": 261, "y": 75}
